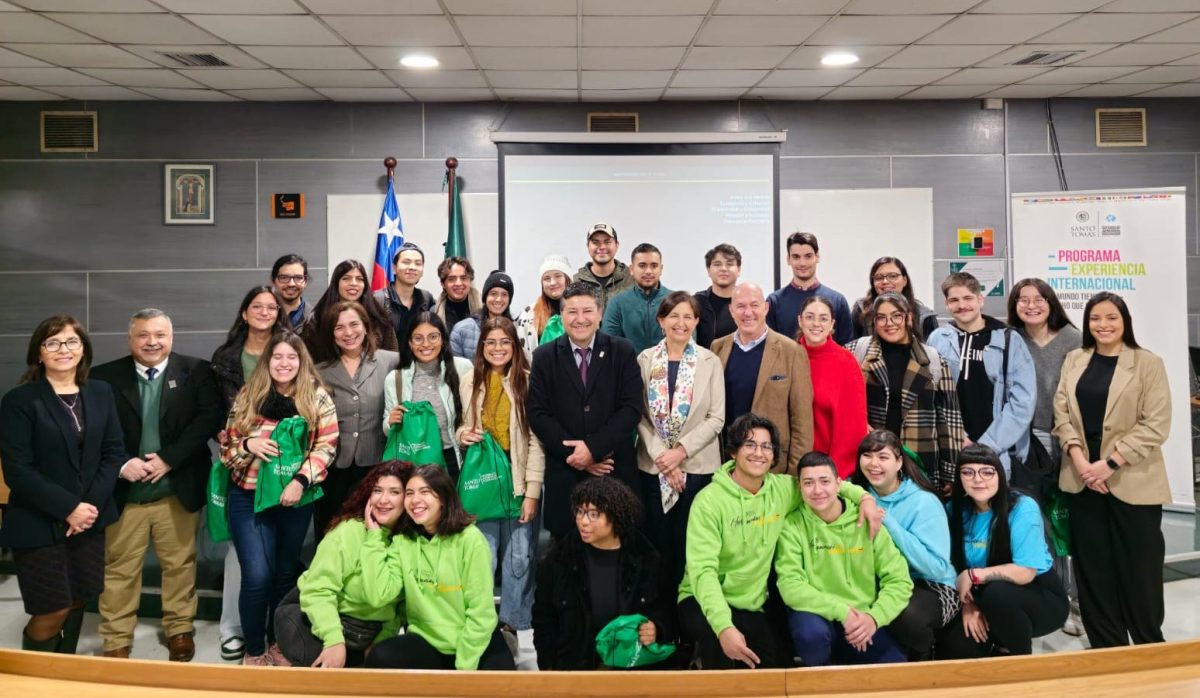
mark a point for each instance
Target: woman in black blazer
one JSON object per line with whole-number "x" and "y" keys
{"x": 62, "y": 450}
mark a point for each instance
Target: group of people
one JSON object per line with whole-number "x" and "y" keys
{"x": 754, "y": 479}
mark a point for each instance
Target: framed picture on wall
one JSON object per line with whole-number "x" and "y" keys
{"x": 189, "y": 194}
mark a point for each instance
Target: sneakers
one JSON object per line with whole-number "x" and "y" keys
{"x": 275, "y": 656}
{"x": 233, "y": 648}
{"x": 1074, "y": 624}
{"x": 256, "y": 660}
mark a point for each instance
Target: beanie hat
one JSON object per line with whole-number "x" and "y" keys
{"x": 555, "y": 262}
{"x": 498, "y": 279}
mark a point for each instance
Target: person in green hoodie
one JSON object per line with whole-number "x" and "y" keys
{"x": 634, "y": 314}
{"x": 732, "y": 530}
{"x": 840, "y": 586}
{"x": 443, "y": 565}
{"x": 336, "y": 610}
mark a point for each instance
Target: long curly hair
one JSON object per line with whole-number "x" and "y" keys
{"x": 517, "y": 370}
{"x": 356, "y": 504}
{"x": 612, "y": 498}
{"x": 249, "y": 402}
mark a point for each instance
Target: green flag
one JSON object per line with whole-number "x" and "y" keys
{"x": 456, "y": 239}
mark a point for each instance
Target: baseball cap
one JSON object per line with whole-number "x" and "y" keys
{"x": 602, "y": 228}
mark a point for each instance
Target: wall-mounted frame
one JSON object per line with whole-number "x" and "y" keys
{"x": 189, "y": 194}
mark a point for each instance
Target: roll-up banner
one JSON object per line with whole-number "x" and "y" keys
{"x": 1131, "y": 242}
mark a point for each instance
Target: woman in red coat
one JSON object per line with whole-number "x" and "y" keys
{"x": 839, "y": 393}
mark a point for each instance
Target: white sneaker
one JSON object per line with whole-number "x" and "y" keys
{"x": 1074, "y": 624}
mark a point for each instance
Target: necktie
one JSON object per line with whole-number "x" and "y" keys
{"x": 151, "y": 373}
{"x": 583, "y": 364}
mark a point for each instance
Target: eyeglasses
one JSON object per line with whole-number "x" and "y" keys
{"x": 592, "y": 515}
{"x": 984, "y": 473}
{"x": 1026, "y": 302}
{"x": 893, "y": 319}
{"x": 816, "y": 319}
{"x": 53, "y": 345}
{"x": 291, "y": 278}
{"x": 493, "y": 343}
{"x": 259, "y": 307}
{"x": 754, "y": 446}
{"x": 891, "y": 278}
{"x": 420, "y": 341}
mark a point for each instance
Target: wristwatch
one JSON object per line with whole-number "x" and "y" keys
{"x": 1112, "y": 463}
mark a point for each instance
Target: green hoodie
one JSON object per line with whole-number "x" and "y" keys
{"x": 731, "y": 538}
{"x": 336, "y": 583}
{"x": 827, "y": 568}
{"x": 447, "y": 584}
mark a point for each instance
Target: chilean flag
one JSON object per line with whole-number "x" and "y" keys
{"x": 388, "y": 240}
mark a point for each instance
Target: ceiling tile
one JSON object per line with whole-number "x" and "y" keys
{"x": 543, "y": 79}
{"x": 175, "y": 95}
{"x": 374, "y": 7}
{"x": 735, "y": 57}
{"x": 312, "y": 57}
{"x": 520, "y": 58}
{"x": 1037, "y": 6}
{"x": 900, "y": 76}
{"x": 134, "y": 77}
{"x": 758, "y": 31}
{"x": 275, "y": 30}
{"x": 539, "y": 95}
{"x": 908, "y": 7}
{"x": 437, "y": 78}
{"x": 100, "y": 92}
{"x": 810, "y": 56}
{"x": 788, "y": 92}
{"x": 511, "y": 7}
{"x": 233, "y": 56}
{"x": 948, "y": 91}
{"x": 779, "y": 7}
{"x": 994, "y": 29}
{"x": 1117, "y": 27}
{"x": 340, "y": 78}
{"x": 1184, "y": 33}
{"x": 12, "y": 59}
{"x": 1187, "y": 89}
{"x": 234, "y": 7}
{"x": 624, "y": 79}
{"x": 621, "y": 95}
{"x": 827, "y": 77}
{"x": 1111, "y": 90}
{"x": 235, "y": 79}
{"x": 879, "y": 30}
{"x": 959, "y": 56}
{"x": 1031, "y": 91}
{"x": 91, "y": 6}
{"x": 365, "y": 94}
{"x": 717, "y": 78}
{"x": 641, "y": 7}
{"x": 46, "y": 77}
{"x": 5, "y": 7}
{"x": 1020, "y": 51}
{"x": 1152, "y": 6}
{"x": 1077, "y": 75}
{"x": 420, "y": 30}
{"x": 25, "y": 94}
{"x": 704, "y": 93}
{"x": 517, "y": 31}
{"x": 449, "y": 57}
{"x": 433, "y": 94}
{"x": 881, "y": 92}
{"x": 639, "y": 31}
{"x": 283, "y": 94}
{"x": 1163, "y": 73}
{"x": 85, "y": 56}
{"x": 135, "y": 29}
{"x": 1141, "y": 54}
{"x": 30, "y": 28}
{"x": 1194, "y": 59}
{"x": 632, "y": 58}
{"x": 992, "y": 76}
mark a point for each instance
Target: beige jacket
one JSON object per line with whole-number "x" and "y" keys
{"x": 525, "y": 451}
{"x": 1136, "y": 423}
{"x": 701, "y": 434}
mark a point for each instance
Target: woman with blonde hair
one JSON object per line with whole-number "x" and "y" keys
{"x": 268, "y": 542}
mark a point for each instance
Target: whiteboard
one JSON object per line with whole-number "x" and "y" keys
{"x": 854, "y": 227}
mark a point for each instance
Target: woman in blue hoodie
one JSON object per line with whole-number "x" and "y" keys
{"x": 917, "y": 523}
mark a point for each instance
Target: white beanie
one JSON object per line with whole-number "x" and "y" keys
{"x": 555, "y": 262}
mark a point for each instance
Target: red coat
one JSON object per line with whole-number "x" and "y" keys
{"x": 839, "y": 404}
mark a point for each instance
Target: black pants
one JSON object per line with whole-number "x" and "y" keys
{"x": 293, "y": 633}
{"x": 338, "y": 485}
{"x": 411, "y": 651}
{"x": 452, "y": 464}
{"x": 755, "y": 626}
{"x": 668, "y": 531}
{"x": 929, "y": 609}
{"x": 1118, "y": 559}
{"x": 1015, "y": 615}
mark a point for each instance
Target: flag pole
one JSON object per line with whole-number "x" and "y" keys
{"x": 390, "y": 163}
{"x": 451, "y": 180}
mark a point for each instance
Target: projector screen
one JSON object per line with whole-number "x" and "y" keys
{"x": 682, "y": 202}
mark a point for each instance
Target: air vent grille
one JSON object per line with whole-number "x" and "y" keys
{"x": 69, "y": 132}
{"x": 610, "y": 122}
{"x": 1120, "y": 128}
{"x": 1046, "y": 57}
{"x": 195, "y": 60}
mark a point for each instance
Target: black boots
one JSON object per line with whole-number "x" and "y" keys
{"x": 51, "y": 645}
{"x": 70, "y": 631}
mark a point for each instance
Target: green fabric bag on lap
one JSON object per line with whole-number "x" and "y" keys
{"x": 291, "y": 435}
{"x": 485, "y": 483}
{"x": 554, "y": 330}
{"x": 215, "y": 514}
{"x": 417, "y": 439}
{"x": 618, "y": 645}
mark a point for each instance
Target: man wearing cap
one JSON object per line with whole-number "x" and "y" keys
{"x": 497, "y": 299}
{"x": 634, "y": 314}
{"x": 402, "y": 299}
{"x": 604, "y": 273}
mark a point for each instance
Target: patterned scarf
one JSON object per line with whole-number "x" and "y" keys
{"x": 666, "y": 414}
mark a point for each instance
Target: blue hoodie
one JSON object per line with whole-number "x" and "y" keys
{"x": 918, "y": 525}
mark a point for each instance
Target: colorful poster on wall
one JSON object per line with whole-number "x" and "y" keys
{"x": 990, "y": 273}
{"x": 976, "y": 242}
{"x": 1133, "y": 243}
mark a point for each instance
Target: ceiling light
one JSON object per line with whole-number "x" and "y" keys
{"x": 839, "y": 59}
{"x": 417, "y": 60}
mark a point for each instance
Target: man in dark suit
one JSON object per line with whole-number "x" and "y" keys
{"x": 169, "y": 407}
{"x": 585, "y": 400}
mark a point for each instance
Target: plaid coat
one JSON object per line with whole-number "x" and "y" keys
{"x": 931, "y": 425}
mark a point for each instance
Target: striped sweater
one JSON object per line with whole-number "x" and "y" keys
{"x": 322, "y": 445}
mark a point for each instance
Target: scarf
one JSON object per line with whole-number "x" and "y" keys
{"x": 667, "y": 414}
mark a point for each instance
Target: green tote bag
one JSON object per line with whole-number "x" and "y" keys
{"x": 291, "y": 435}
{"x": 215, "y": 513}
{"x": 485, "y": 483}
{"x": 417, "y": 439}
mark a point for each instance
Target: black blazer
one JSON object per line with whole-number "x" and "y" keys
{"x": 604, "y": 414}
{"x": 563, "y": 632}
{"x": 189, "y": 415}
{"x": 48, "y": 474}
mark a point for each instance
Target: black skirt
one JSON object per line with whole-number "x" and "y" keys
{"x": 54, "y": 577}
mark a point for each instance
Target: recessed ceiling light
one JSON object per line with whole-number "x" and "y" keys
{"x": 417, "y": 60}
{"x": 839, "y": 59}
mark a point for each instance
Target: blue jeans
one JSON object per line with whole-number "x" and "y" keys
{"x": 820, "y": 642}
{"x": 515, "y": 545}
{"x": 268, "y": 549}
